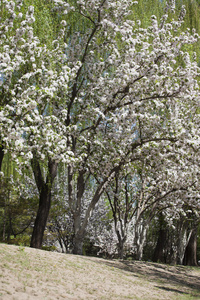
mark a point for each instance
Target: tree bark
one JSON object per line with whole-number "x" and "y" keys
{"x": 79, "y": 232}
{"x": 78, "y": 244}
{"x": 41, "y": 218}
{"x": 120, "y": 247}
{"x": 190, "y": 257}
{"x": 44, "y": 188}
{"x": 121, "y": 238}
{"x": 80, "y": 225}
{"x": 182, "y": 241}
{"x": 140, "y": 238}
{"x": 158, "y": 255}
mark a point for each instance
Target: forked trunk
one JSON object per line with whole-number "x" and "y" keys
{"x": 80, "y": 225}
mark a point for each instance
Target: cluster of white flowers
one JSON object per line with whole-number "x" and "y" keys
{"x": 27, "y": 116}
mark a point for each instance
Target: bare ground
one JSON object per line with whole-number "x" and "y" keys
{"x": 27, "y": 273}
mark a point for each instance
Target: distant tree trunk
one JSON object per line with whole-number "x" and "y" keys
{"x": 120, "y": 217}
{"x": 120, "y": 231}
{"x": 120, "y": 246}
{"x": 121, "y": 242}
{"x": 80, "y": 222}
{"x": 79, "y": 231}
{"x": 161, "y": 242}
{"x": 44, "y": 188}
{"x": 158, "y": 255}
{"x": 79, "y": 234}
{"x": 140, "y": 238}
{"x": 190, "y": 257}
{"x": 182, "y": 241}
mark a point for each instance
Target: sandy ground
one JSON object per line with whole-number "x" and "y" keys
{"x": 27, "y": 273}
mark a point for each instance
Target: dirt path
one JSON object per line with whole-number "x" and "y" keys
{"x": 27, "y": 273}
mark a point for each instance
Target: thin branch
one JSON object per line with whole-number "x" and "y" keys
{"x": 74, "y": 88}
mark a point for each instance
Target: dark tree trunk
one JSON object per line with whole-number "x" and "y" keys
{"x": 158, "y": 255}
{"x": 159, "y": 252}
{"x": 120, "y": 246}
{"x": 41, "y": 218}
{"x": 44, "y": 188}
{"x": 190, "y": 257}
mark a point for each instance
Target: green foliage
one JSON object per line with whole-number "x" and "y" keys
{"x": 49, "y": 248}
{"x": 145, "y": 9}
{"x": 45, "y": 22}
{"x": 89, "y": 249}
{"x": 21, "y": 240}
{"x": 17, "y": 204}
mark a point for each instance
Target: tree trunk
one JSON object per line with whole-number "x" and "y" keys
{"x": 78, "y": 244}
{"x": 44, "y": 188}
{"x": 80, "y": 225}
{"x": 41, "y": 218}
{"x": 140, "y": 245}
{"x": 121, "y": 240}
{"x": 120, "y": 246}
{"x": 140, "y": 238}
{"x": 183, "y": 239}
{"x": 158, "y": 255}
{"x": 190, "y": 258}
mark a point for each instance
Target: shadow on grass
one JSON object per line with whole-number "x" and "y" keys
{"x": 191, "y": 295}
{"x": 172, "y": 290}
{"x": 164, "y": 274}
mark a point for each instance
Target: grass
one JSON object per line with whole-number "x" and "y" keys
{"x": 58, "y": 276}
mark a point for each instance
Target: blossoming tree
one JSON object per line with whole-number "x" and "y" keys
{"x": 132, "y": 92}
{"x": 96, "y": 100}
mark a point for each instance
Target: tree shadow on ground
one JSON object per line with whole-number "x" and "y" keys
{"x": 172, "y": 290}
{"x": 172, "y": 278}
